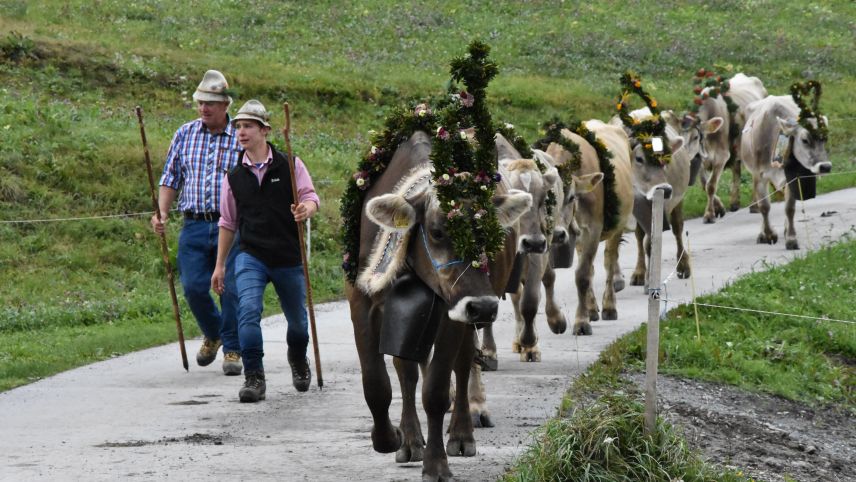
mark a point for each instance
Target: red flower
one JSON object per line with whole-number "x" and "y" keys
{"x": 467, "y": 99}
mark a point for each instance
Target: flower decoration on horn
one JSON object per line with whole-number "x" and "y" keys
{"x": 799, "y": 90}
{"x": 642, "y": 131}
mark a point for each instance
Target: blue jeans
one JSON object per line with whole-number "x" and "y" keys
{"x": 197, "y": 255}
{"x": 252, "y": 276}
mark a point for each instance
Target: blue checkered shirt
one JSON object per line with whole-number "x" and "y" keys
{"x": 196, "y": 163}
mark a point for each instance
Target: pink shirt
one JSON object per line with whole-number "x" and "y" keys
{"x": 228, "y": 207}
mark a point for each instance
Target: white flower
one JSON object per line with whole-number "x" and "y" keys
{"x": 463, "y": 135}
{"x": 374, "y": 150}
{"x": 484, "y": 187}
{"x": 729, "y": 344}
{"x": 361, "y": 182}
{"x": 477, "y": 215}
{"x": 608, "y": 440}
{"x": 452, "y": 203}
{"x": 476, "y": 264}
{"x": 445, "y": 177}
{"x": 509, "y": 126}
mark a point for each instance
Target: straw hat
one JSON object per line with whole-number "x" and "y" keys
{"x": 253, "y": 110}
{"x": 212, "y": 88}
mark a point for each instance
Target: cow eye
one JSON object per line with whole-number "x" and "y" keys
{"x": 805, "y": 141}
{"x": 640, "y": 159}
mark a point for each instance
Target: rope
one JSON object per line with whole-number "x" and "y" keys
{"x": 763, "y": 312}
{"x": 25, "y": 221}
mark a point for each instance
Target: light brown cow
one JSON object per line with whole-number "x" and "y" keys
{"x": 743, "y": 90}
{"x": 710, "y": 126}
{"x": 403, "y": 233}
{"x": 767, "y": 119}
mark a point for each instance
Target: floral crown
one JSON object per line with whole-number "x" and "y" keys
{"x": 798, "y": 92}
{"x": 643, "y": 131}
{"x": 715, "y": 85}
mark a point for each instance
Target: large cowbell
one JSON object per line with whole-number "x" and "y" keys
{"x": 800, "y": 178}
{"x": 411, "y": 315}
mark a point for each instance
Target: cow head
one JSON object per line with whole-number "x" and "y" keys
{"x": 524, "y": 175}
{"x": 431, "y": 255}
{"x": 698, "y": 136}
{"x": 649, "y": 175}
{"x": 808, "y": 150}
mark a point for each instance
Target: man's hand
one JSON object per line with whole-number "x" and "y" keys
{"x": 159, "y": 225}
{"x": 303, "y": 211}
{"x": 218, "y": 280}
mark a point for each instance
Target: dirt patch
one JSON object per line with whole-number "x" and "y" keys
{"x": 195, "y": 439}
{"x": 767, "y": 437}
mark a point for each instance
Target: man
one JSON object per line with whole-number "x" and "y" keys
{"x": 257, "y": 201}
{"x": 202, "y": 151}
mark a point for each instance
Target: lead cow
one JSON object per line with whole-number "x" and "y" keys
{"x": 804, "y": 155}
{"x": 403, "y": 235}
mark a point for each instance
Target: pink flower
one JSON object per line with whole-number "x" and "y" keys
{"x": 467, "y": 99}
{"x": 442, "y": 133}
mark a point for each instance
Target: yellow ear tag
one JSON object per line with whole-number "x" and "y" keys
{"x": 400, "y": 220}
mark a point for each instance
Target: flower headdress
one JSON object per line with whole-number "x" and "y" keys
{"x": 798, "y": 92}
{"x": 646, "y": 130}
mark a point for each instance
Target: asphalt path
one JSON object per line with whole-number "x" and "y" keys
{"x": 142, "y": 417}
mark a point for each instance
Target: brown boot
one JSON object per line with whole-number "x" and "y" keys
{"x": 254, "y": 387}
{"x": 301, "y": 376}
{"x": 232, "y": 363}
{"x": 207, "y": 352}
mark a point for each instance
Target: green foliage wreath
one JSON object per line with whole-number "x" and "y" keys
{"x": 643, "y": 131}
{"x": 800, "y": 90}
{"x": 708, "y": 84}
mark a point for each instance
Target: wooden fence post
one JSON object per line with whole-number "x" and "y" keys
{"x": 652, "y": 350}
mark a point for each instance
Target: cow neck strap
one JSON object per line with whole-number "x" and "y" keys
{"x": 437, "y": 266}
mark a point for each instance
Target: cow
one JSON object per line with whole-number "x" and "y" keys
{"x": 766, "y": 120}
{"x": 403, "y": 239}
{"x": 588, "y": 214}
{"x": 743, "y": 91}
{"x": 710, "y": 127}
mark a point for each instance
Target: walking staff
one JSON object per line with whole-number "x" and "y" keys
{"x": 286, "y": 131}
{"x": 164, "y": 250}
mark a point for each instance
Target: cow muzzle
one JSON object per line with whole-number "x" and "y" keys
{"x": 666, "y": 188}
{"x": 533, "y": 244}
{"x": 475, "y": 310}
{"x": 822, "y": 168}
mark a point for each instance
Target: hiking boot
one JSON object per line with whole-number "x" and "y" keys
{"x": 207, "y": 352}
{"x": 301, "y": 376}
{"x": 254, "y": 387}
{"x": 232, "y": 363}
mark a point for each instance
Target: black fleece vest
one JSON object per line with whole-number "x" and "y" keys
{"x": 267, "y": 227}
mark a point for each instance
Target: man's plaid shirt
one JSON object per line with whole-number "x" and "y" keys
{"x": 196, "y": 163}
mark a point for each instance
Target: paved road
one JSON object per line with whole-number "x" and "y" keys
{"x": 141, "y": 417}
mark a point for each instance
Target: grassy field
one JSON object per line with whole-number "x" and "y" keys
{"x": 71, "y": 74}
{"x": 801, "y": 359}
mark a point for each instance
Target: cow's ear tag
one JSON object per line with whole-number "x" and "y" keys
{"x": 657, "y": 144}
{"x": 401, "y": 220}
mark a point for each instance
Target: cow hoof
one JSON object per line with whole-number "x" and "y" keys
{"x": 771, "y": 238}
{"x": 515, "y": 347}
{"x": 558, "y": 325}
{"x": 709, "y": 219}
{"x": 754, "y": 209}
{"x": 482, "y": 420}
{"x": 530, "y": 355}
{"x": 458, "y": 448}
{"x": 445, "y": 477}
{"x": 609, "y": 314}
{"x": 489, "y": 364}
{"x": 683, "y": 273}
{"x": 735, "y": 207}
{"x": 388, "y": 442}
{"x": 582, "y": 328}
{"x": 618, "y": 285}
{"x": 638, "y": 279}
{"x": 792, "y": 244}
{"x": 408, "y": 454}
{"x": 594, "y": 315}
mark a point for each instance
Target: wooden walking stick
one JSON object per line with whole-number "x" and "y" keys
{"x": 164, "y": 250}
{"x": 286, "y": 131}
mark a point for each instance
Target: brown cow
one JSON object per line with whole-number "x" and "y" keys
{"x": 711, "y": 127}
{"x": 744, "y": 90}
{"x": 767, "y": 120}
{"x": 403, "y": 233}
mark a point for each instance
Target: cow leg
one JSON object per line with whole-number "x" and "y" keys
{"x": 767, "y": 235}
{"x": 408, "y": 376}
{"x": 555, "y": 318}
{"x": 479, "y": 413}
{"x": 435, "y": 398}
{"x": 585, "y": 294}
{"x": 461, "y": 441}
{"x": 488, "y": 350}
{"x": 714, "y": 208}
{"x": 735, "y": 183}
{"x": 676, "y": 217}
{"x": 790, "y": 209}
{"x": 639, "y": 273}
{"x": 610, "y": 262}
{"x": 376, "y": 386}
{"x": 516, "y": 298}
{"x": 529, "y": 302}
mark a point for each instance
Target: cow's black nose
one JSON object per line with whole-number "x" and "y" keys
{"x": 825, "y": 168}
{"x": 482, "y": 311}
{"x": 534, "y": 245}
{"x": 560, "y": 236}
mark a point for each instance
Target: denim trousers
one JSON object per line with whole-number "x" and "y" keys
{"x": 252, "y": 276}
{"x": 197, "y": 255}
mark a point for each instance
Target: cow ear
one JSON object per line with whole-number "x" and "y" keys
{"x": 713, "y": 125}
{"x": 676, "y": 144}
{"x": 587, "y": 182}
{"x": 392, "y": 212}
{"x": 509, "y": 207}
{"x": 787, "y": 126}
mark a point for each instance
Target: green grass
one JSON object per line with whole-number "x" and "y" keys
{"x": 71, "y": 74}
{"x": 811, "y": 361}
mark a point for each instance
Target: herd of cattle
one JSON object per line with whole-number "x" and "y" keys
{"x": 402, "y": 213}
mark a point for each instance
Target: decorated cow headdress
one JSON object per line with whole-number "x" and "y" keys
{"x": 650, "y": 133}
{"x": 798, "y": 92}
